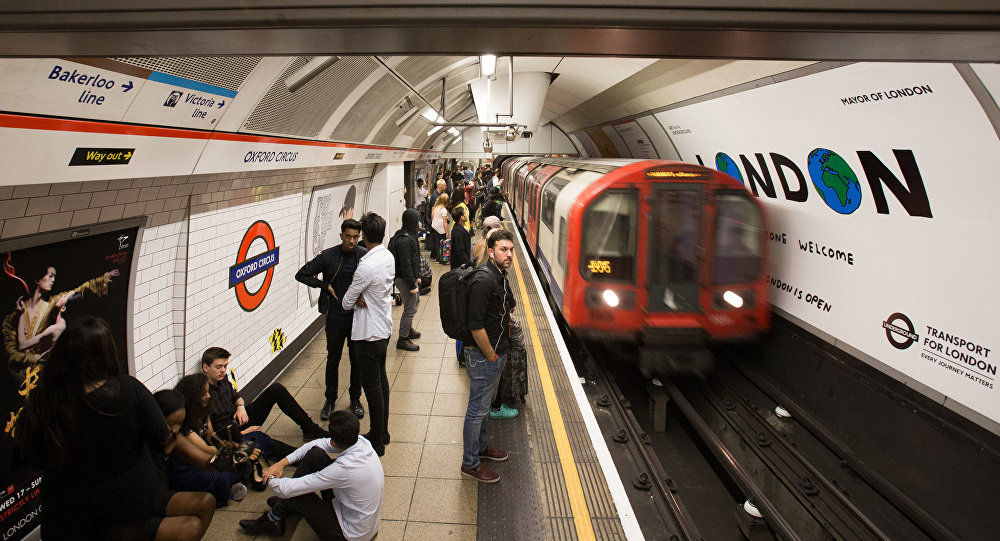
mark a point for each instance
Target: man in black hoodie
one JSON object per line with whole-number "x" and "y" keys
{"x": 337, "y": 265}
{"x": 404, "y": 247}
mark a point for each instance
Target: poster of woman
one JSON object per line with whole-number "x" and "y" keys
{"x": 41, "y": 289}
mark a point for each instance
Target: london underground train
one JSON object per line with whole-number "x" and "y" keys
{"x": 659, "y": 254}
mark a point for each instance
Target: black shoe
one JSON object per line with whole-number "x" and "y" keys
{"x": 385, "y": 438}
{"x": 327, "y": 410}
{"x": 263, "y": 526}
{"x": 314, "y": 432}
{"x": 407, "y": 345}
{"x": 272, "y": 500}
{"x": 257, "y": 477}
{"x": 357, "y": 410}
{"x": 425, "y": 291}
{"x": 414, "y": 334}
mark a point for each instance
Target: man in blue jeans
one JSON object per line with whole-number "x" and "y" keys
{"x": 487, "y": 344}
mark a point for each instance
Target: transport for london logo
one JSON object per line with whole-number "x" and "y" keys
{"x": 899, "y": 330}
{"x": 248, "y": 267}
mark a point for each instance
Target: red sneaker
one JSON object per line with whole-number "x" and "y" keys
{"x": 481, "y": 473}
{"x": 492, "y": 453}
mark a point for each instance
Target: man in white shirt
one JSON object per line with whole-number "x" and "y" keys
{"x": 349, "y": 504}
{"x": 370, "y": 296}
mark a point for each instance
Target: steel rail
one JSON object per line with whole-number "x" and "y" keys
{"x": 930, "y": 525}
{"x": 743, "y": 479}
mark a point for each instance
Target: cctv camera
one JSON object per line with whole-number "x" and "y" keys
{"x": 527, "y": 134}
{"x": 487, "y": 146}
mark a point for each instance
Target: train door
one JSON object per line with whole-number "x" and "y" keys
{"x": 675, "y": 251}
{"x": 522, "y": 188}
{"x": 537, "y": 178}
{"x": 547, "y": 253}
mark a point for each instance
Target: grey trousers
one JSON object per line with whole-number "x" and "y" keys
{"x": 410, "y": 303}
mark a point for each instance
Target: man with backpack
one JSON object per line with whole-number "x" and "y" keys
{"x": 489, "y": 303}
{"x": 406, "y": 250}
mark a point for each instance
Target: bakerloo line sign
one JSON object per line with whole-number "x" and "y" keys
{"x": 835, "y": 181}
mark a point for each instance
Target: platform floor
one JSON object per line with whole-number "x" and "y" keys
{"x": 426, "y": 497}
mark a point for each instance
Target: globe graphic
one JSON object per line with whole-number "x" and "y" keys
{"x": 834, "y": 180}
{"x": 726, "y": 165}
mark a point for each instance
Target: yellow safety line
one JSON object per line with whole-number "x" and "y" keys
{"x": 581, "y": 515}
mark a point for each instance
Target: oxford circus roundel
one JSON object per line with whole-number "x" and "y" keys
{"x": 248, "y": 267}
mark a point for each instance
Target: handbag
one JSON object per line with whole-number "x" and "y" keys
{"x": 444, "y": 252}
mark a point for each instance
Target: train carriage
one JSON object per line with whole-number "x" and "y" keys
{"x": 655, "y": 253}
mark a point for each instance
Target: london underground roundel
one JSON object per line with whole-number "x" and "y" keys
{"x": 248, "y": 267}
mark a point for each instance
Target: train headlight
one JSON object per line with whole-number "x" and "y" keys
{"x": 733, "y": 299}
{"x": 597, "y": 298}
{"x": 610, "y": 297}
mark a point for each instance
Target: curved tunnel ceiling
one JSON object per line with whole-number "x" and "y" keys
{"x": 358, "y": 100}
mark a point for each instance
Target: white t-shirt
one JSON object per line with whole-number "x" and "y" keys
{"x": 440, "y": 219}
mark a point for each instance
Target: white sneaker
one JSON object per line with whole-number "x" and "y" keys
{"x": 239, "y": 491}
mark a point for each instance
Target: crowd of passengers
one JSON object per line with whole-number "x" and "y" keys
{"x": 123, "y": 463}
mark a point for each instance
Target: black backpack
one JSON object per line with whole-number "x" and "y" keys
{"x": 453, "y": 297}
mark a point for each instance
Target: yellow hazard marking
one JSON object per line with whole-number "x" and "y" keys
{"x": 581, "y": 515}
{"x": 277, "y": 340}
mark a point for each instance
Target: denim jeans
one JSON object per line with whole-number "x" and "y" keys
{"x": 484, "y": 377}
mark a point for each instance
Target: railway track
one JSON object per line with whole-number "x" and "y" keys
{"x": 803, "y": 487}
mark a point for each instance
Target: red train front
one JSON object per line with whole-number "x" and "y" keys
{"x": 653, "y": 253}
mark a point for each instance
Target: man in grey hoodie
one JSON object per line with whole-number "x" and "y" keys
{"x": 404, "y": 247}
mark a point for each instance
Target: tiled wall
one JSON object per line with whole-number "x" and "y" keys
{"x": 182, "y": 303}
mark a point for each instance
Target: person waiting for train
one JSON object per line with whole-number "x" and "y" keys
{"x": 461, "y": 241}
{"x": 228, "y": 405}
{"x": 337, "y": 265}
{"x": 91, "y": 429}
{"x": 405, "y": 250}
{"x": 197, "y": 428}
{"x": 479, "y": 255}
{"x": 349, "y": 504}
{"x": 494, "y": 203}
{"x": 458, "y": 202}
{"x": 490, "y": 301}
{"x": 439, "y": 226}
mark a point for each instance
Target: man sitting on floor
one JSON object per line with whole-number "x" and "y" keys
{"x": 227, "y": 403}
{"x": 349, "y": 504}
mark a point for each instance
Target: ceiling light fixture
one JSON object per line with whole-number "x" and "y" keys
{"x": 433, "y": 130}
{"x": 488, "y": 64}
{"x": 408, "y": 114}
{"x": 309, "y": 71}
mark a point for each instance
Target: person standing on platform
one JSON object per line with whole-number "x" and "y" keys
{"x": 337, "y": 265}
{"x": 461, "y": 241}
{"x": 487, "y": 343}
{"x": 433, "y": 238}
{"x": 370, "y": 296}
{"x": 405, "y": 250}
{"x": 467, "y": 173}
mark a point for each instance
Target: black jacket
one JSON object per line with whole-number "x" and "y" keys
{"x": 461, "y": 246}
{"x": 489, "y": 305}
{"x": 404, "y": 247}
{"x": 328, "y": 263}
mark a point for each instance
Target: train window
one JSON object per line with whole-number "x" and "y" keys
{"x": 608, "y": 237}
{"x": 562, "y": 242}
{"x": 674, "y": 248}
{"x": 737, "y": 240}
{"x": 549, "y": 199}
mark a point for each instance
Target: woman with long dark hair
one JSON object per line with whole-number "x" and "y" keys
{"x": 90, "y": 429}
{"x": 197, "y": 428}
{"x": 181, "y": 515}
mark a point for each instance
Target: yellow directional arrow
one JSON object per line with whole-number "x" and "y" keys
{"x": 128, "y": 155}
